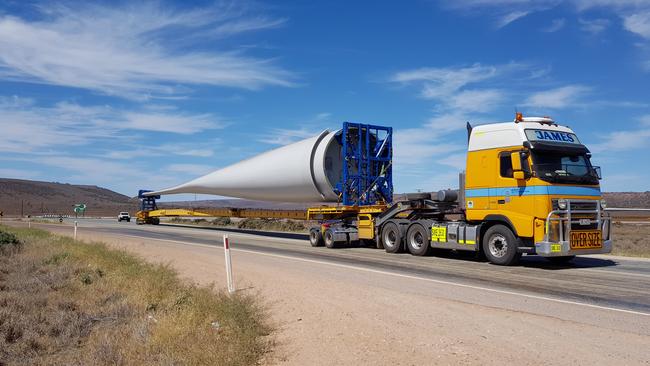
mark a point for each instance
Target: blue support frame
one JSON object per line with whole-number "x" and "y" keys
{"x": 147, "y": 203}
{"x": 367, "y": 164}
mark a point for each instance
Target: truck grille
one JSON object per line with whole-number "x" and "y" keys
{"x": 579, "y": 206}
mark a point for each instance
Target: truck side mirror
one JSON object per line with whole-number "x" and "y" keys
{"x": 515, "y": 159}
{"x": 517, "y": 170}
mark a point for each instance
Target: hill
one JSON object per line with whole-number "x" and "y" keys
{"x": 628, "y": 199}
{"x": 36, "y": 198}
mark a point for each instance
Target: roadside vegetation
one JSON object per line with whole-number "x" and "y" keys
{"x": 631, "y": 239}
{"x": 296, "y": 226}
{"x": 69, "y": 302}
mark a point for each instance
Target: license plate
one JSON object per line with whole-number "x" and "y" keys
{"x": 585, "y": 222}
{"x": 586, "y": 240}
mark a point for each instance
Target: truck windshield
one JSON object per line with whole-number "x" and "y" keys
{"x": 561, "y": 167}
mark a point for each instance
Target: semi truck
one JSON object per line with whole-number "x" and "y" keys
{"x": 528, "y": 187}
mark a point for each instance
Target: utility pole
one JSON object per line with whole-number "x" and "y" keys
{"x": 22, "y": 208}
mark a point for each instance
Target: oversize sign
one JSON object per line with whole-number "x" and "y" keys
{"x": 552, "y": 136}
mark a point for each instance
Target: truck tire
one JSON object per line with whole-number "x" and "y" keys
{"x": 328, "y": 238}
{"x": 315, "y": 238}
{"x": 417, "y": 240}
{"x": 391, "y": 237}
{"x": 561, "y": 260}
{"x": 500, "y": 246}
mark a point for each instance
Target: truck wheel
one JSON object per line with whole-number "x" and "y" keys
{"x": 561, "y": 260}
{"x": 500, "y": 246}
{"x": 417, "y": 240}
{"x": 315, "y": 238}
{"x": 391, "y": 238}
{"x": 328, "y": 238}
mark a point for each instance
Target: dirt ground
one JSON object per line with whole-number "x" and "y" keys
{"x": 631, "y": 239}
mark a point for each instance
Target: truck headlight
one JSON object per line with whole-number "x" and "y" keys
{"x": 603, "y": 204}
{"x": 562, "y": 204}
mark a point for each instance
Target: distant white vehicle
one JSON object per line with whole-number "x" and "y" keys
{"x": 124, "y": 216}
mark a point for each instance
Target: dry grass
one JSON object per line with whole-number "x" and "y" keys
{"x": 284, "y": 225}
{"x": 75, "y": 303}
{"x": 631, "y": 239}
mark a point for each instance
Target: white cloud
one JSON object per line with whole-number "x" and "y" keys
{"x": 190, "y": 169}
{"x": 195, "y": 150}
{"x": 18, "y": 173}
{"x": 562, "y": 97}
{"x": 476, "y": 100}
{"x": 623, "y": 140}
{"x": 638, "y": 23}
{"x": 511, "y": 17}
{"x": 555, "y": 25}
{"x": 30, "y": 128}
{"x": 634, "y": 13}
{"x": 166, "y": 122}
{"x": 460, "y": 94}
{"x": 134, "y": 51}
{"x": 281, "y": 136}
{"x": 645, "y": 120}
{"x": 593, "y": 26}
{"x": 441, "y": 82}
{"x": 616, "y": 4}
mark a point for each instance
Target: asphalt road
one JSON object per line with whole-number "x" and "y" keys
{"x": 595, "y": 281}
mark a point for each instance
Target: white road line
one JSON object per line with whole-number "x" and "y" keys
{"x": 513, "y": 293}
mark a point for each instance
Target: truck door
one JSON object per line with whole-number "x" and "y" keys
{"x": 512, "y": 198}
{"x": 510, "y": 193}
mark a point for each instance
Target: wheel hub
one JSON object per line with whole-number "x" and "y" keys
{"x": 498, "y": 245}
{"x": 390, "y": 238}
{"x": 417, "y": 240}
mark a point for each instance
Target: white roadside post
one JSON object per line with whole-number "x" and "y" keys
{"x": 29, "y": 222}
{"x": 75, "y": 230}
{"x": 226, "y": 250}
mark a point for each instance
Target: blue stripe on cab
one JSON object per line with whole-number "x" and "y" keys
{"x": 533, "y": 191}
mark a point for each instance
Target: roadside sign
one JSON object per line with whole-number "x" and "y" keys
{"x": 79, "y": 208}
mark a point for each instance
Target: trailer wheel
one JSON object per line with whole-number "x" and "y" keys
{"x": 391, "y": 237}
{"x": 500, "y": 246}
{"x": 417, "y": 240}
{"x": 328, "y": 238}
{"x": 315, "y": 238}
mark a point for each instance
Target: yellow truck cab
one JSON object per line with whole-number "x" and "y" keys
{"x": 531, "y": 187}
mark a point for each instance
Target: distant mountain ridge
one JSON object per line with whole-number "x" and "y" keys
{"x": 627, "y": 199}
{"x": 36, "y": 198}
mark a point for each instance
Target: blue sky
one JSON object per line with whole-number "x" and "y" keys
{"x": 150, "y": 95}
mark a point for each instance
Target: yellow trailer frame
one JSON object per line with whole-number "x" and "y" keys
{"x": 320, "y": 213}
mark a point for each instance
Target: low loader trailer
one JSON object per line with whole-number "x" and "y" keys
{"x": 528, "y": 187}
